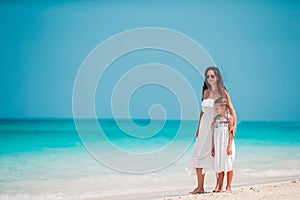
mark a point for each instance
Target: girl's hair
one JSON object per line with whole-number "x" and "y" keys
{"x": 222, "y": 101}
{"x": 220, "y": 84}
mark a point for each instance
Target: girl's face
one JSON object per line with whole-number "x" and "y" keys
{"x": 220, "y": 110}
{"x": 211, "y": 77}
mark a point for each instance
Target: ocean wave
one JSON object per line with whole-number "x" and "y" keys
{"x": 269, "y": 172}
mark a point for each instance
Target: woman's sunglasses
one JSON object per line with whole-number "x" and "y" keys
{"x": 211, "y": 76}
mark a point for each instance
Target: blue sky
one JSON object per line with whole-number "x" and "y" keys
{"x": 255, "y": 44}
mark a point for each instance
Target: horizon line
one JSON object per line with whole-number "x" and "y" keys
{"x": 110, "y": 118}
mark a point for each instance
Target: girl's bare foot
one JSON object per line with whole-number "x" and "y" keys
{"x": 228, "y": 189}
{"x": 197, "y": 191}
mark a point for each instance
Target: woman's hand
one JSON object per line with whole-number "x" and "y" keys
{"x": 232, "y": 130}
{"x": 213, "y": 152}
{"x": 232, "y": 127}
{"x": 233, "y": 122}
{"x": 229, "y": 150}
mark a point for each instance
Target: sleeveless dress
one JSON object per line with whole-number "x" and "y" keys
{"x": 201, "y": 155}
{"x": 223, "y": 162}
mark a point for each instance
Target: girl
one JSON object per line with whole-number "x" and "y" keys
{"x": 201, "y": 159}
{"x": 223, "y": 144}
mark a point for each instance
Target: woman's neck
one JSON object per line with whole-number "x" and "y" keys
{"x": 214, "y": 87}
{"x": 214, "y": 92}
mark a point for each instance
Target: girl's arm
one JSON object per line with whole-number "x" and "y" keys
{"x": 232, "y": 112}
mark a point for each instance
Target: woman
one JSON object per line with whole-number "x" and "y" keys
{"x": 202, "y": 160}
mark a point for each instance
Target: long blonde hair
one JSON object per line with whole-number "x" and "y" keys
{"x": 223, "y": 102}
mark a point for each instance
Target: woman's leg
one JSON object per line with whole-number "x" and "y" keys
{"x": 217, "y": 183}
{"x": 200, "y": 177}
{"x": 229, "y": 180}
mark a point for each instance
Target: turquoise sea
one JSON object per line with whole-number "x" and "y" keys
{"x": 46, "y": 159}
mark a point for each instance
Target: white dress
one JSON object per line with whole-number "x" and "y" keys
{"x": 201, "y": 155}
{"x": 223, "y": 161}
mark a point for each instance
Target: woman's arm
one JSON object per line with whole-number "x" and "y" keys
{"x": 231, "y": 137}
{"x": 205, "y": 93}
{"x": 213, "y": 138}
{"x": 201, "y": 114}
{"x": 232, "y": 112}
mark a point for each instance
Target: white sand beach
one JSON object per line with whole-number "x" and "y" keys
{"x": 270, "y": 191}
{"x": 274, "y": 191}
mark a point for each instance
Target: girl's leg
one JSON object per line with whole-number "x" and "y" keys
{"x": 229, "y": 180}
{"x": 220, "y": 182}
{"x": 200, "y": 177}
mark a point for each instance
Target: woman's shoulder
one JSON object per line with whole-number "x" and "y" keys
{"x": 205, "y": 93}
{"x": 225, "y": 91}
{"x": 225, "y": 94}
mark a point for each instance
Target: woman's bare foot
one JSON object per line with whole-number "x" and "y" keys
{"x": 217, "y": 186}
{"x": 197, "y": 191}
{"x": 217, "y": 190}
